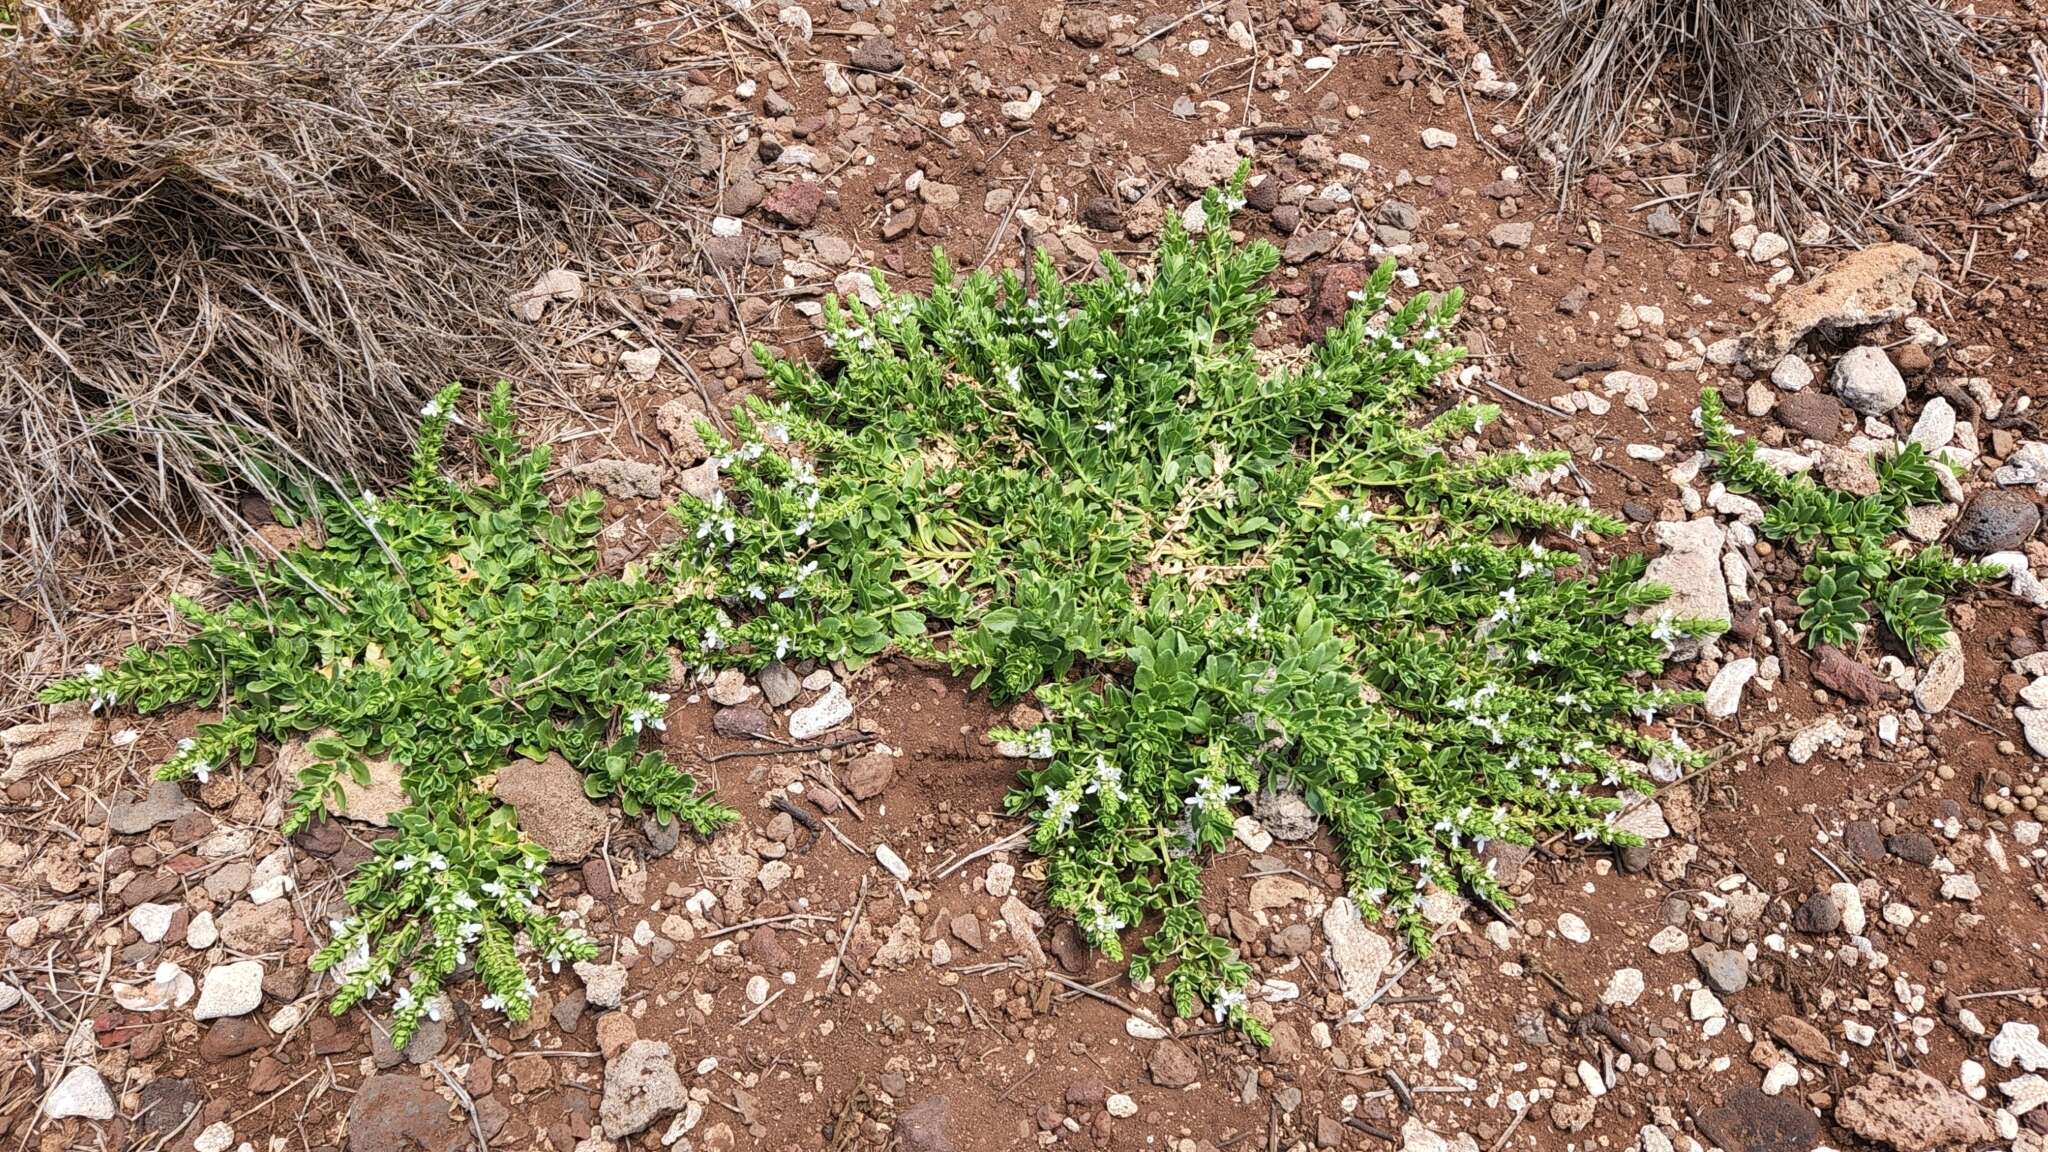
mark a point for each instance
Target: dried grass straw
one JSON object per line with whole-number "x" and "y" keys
{"x": 244, "y": 241}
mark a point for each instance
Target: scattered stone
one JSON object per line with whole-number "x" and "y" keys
{"x": 2019, "y": 1043}
{"x": 743, "y": 723}
{"x": 623, "y": 479}
{"x": 876, "y": 54}
{"x": 1360, "y": 954}
{"x": 1724, "y": 695}
{"x": 1689, "y": 563}
{"x": 923, "y": 1125}
{"x": 1086, "y": 27}
{"x": 1960, "y": 886}
{"x": 1725, "y": 970}
{"x": 164, "y": 802}
{"x": 554, "y": 811}
{"x": 1572, "y": 927}
{"x": 218, "y": 1136}
{"x": 81, "y": 1093}
{"x": 822, "y": 715}
{"x": 1849, "y": 902}
{"x": 1435, "y": 138}
{"x": 1804, "y": 1039}
{"x": 1285, "y": 814}
{"x": 1513, "y": 234}
{"x": 1663, "y": 222}
{"x": 795, "y": 204}
{"x": 1817, "y": 916}
{"x": 1624, "y": 988}
{"x": 1908, "y": 1110}
{"x": 1121, "y": 1106}
{"x": 1173, "y": 1066}
{"x": 399, "y": 1113}
{"x": 1669, "y": 940}
{"x": 1843, "y": 674}
{"x": 1749, "y": 1121}
{"x": 870, "y": 774}
{"x": 641, "y": 1085}
{"x": 1941, "y": 679}
{"x": 1867, "y": 381}
{"x": 152, "y": 921}
{"x": 888, "y": 859}
{"x": 1873, "y": 286}
{"x": 1814, "y": 415}
{"x": 555, "y": 286}
{"x": 1208, "y": 164}
{"x": 230, "y": 990}
{"x": 1995, "y": 520}
{"x": 779, "y": 685}
{"x": 604, "y": 985}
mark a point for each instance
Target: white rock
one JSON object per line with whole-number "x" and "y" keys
{"x": 230, "y": 990}
{"x": 1001, "y": 877}
{"x": 1438, "y": 138}
{"x": 1573, "y": 928}
{"x": 1792, "y": 374}
{"x": 827, "y": 712}
{"x": 1942, "y": 678}
{"x": 1360, "y": 954}
{"x": 640, "y": 363}
{"x": 201, "y": 933}
{"x": 219, "y": 1136}
{"x": 1704, "y": 1005}
{"x": 1624, "y": 988}
{"x": 604, "y": 985}
{"x": 1858, "y": 1033}
{"x": 1596, "y": 1086}
{"x": 757, "y": 990}
{"x": 2028, "y": 465}
{"x": 1121, "y": 1106}
{"x": 2024, "y": 1094}
{"x": 168, "y": 988}
{"x": 2019, "y": 1043}
{"x": 887, "y": 857}
{"x": 1782, "y": 1075}
{"x": 1960, "y": 886}
{"x": 82, "y": 1093}
{"x": 1724, "y": 695}
{"x": 152, "y": 921}
{"x": 1935, "y": 427}
{"x": 1866, "y": 380}
{"x": 1669, "y": 940}
{"x": 1848, "y": 901}
{"x": 1140, "y": 1028}
{"x": 1767, "y": 247}
{"x": 1021, "y": 111}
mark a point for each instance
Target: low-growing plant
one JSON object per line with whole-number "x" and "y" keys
{"x": 1220, "y": 573}
{"x": 446, "y": 627}
{"x": 1846, "y": 541}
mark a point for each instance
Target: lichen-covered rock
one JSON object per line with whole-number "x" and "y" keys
{"x": 1908, "y": 1110}
{"x": 553, "y": 810}
{"x": 1873, "y": 286}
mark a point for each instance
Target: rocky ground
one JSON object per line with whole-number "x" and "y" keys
{"x": 1833, "y": 938}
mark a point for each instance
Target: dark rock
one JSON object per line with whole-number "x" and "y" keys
{"x": 1745, "y": 621}
{"x": 232, "y": 1037}
{"x": 661, "y": 838}
{"x": 765, "y": 948}
{"x": 1173, "y": 1066}
{"x": 1400, "y": 214}
{"x": 1844, "y": 675}
{"x": 922, "y": 1126}
{"x": 1085, "y": 1094}
{"x": 899, "y": 223}
{"x": 1995, "y": 520}
{"x": 1817, "y": 916}
{"x": 166, "y": 1102}
{"x": 1864, "y": 840}
{"x": 1329, "y": 294}
{"x": 568, "y": 1012}
{"x": 795, "y": 204}
{"x": 1912, "y": 847}
{"x": 164, "y": 802}
{"x": 744, "y": 722}
{"x": 876, "y": 54}
{"x": 1662, "y": 221}
{"x": 399, "y": 1113}
{"x": 1636, "y": 858}
{"x": 1293, "y": 940}
{"x": 1071, "y": 949}
{"x": 1286, "y": 218}
{"x": 1263, "y": 195}
{"x": 1104, "y": 214}
{"x": 1303, "y": 247}
{"x": 1811, "y": 413}
{"x": 332, "y": 1037}
{"x": 1749, "y": 1121}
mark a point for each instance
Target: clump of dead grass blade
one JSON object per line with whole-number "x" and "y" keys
{"x": 1827, "y": 110}
{"x": 244, "y": 241}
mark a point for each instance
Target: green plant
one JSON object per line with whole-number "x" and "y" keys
{"x": 1216, "y": 573}
{"x": 1850, "y": 562}
{"x": 446, "y": 627}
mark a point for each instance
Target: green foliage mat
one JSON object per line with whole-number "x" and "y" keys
{"x": 1218, "y": 571}
{"x": 1850, "y": 561}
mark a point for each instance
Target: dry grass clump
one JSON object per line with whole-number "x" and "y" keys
{"x": 244, "y": 241}
{"x": 1827, "y": 109}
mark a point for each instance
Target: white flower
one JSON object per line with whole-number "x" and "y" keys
{"x": 491, "y": 888}
{"x": 403, "y": 864}
{"x": 431, "y": 408}
{"x": 404, "y": 1001}
{"x": 1226, "y": 999}
{"x": 1060, "y": 807}
{"x": 202, "y": 770}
